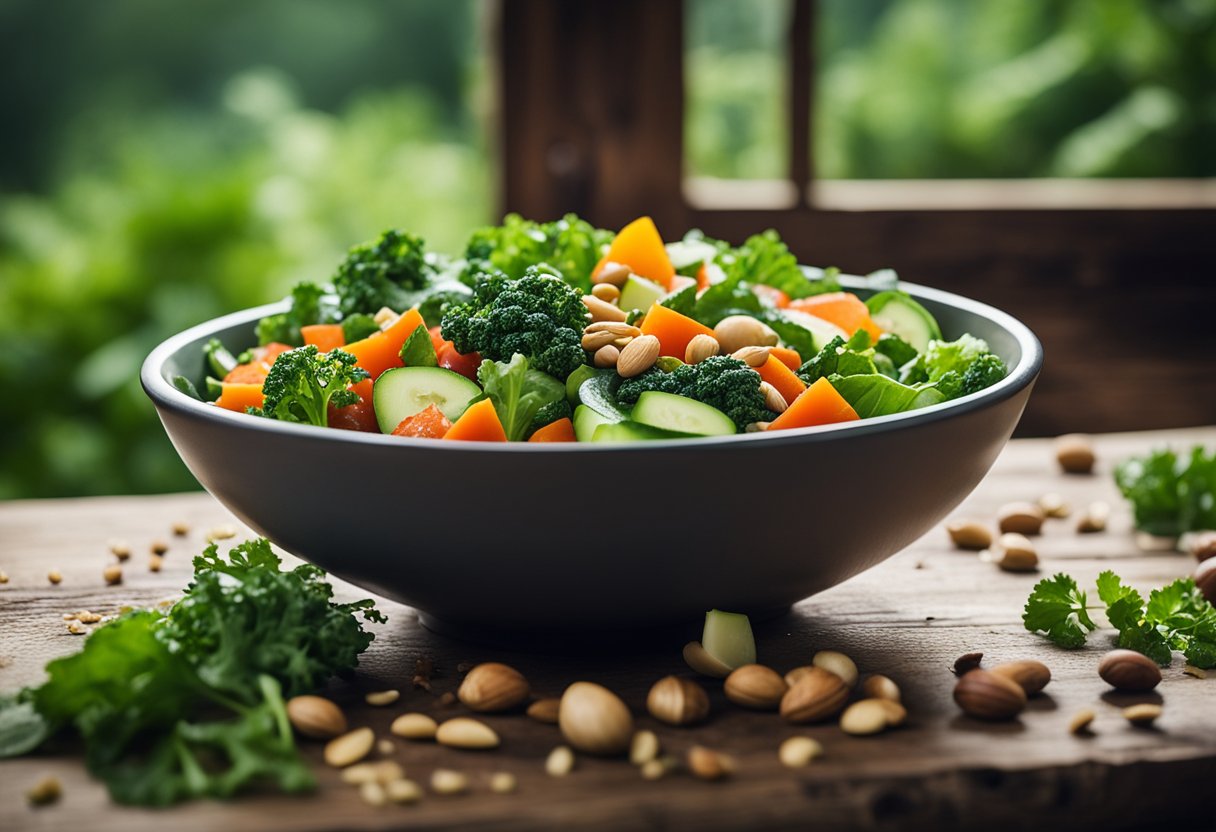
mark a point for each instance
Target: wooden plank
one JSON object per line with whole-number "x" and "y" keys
{"x": 801, "y": 89}
{"x": 909, "y": 618}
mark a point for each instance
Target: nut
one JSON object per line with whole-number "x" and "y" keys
{"x": 382, "y": 772}
{"x": 735, "y": 332}
{"x": 44, "y": 792}
{"x": 969, "y": 534}
{"x": 503, "y": 782}
{"x": 1205, "y": 579}
{"x": 607, "y": 356}
{"x": 602, "y": 310}
{"x": 896, "y": 713}
{"x": 656, "y": 769}
{"x": 180, "y": 528}
{"x": 702, "y": 661}
{"x": 403, "y": 791}
{"x": 677, "y": 701}
{"x": 868, "y": 716}
{"x": 1094, "y": 518}
{"x": 1203, "y": 546}
{"x": 158, "y": 547}
{"x": 54, "y": 576}
{"x": 1021, "y": 518}
{"x": 638, "y": 356}
{"x": 463, "y": 732}
{"x": 593, "y": 719}
{"x": 1032, "y": 676}
{"x": 794, "y": 676}
{"x": 76, "y": 628}
{"x": 615, "y": 327}
{"x": 121, "y": 549}
{"x": 1053, "y": 505}
{"x": 1194, "y": 672}
{"x": 386, "y": 747}
{"x": 1075, "y": 453}
{"x": 220, "y": 533}
{"x": 545, "y": 710}
{"x": 755, "y": 686}
{"x": 316, "y": 717}
{"x": 757, "y": 427}
{"x": 1130, "y": 671}
{"x": 493, "y": 687}
{"x": 966, "y": 662}
{"x": 878, "y": 686}
{"x": 701, "y": 347}
{"x": 384, "y": 317}
{"x": 606, "y": 292}
{"x": 349, "y": 748}
{"x": 155, "y": 563}
{"x": 838, "y": 663}
{"x": 773, "y": 399}
{"x": 381, "y": 698}
{"x": 985, "y": 695}
{"x": 3, "y": 577}
{"x": 560, "y": 761}
{"x": 447, "y": 782}
{"x": 643, "y": 748}
{"x": 611, "y": 273}
{"x": 414, "y": 726}
{"x": 593, "y": 341}
{"x": 1015, "y": 553}
{"x": 708, "y": 764}
{"x": 819, "y": 694}
{"x": 752, "y": 356}
{"x": 112, "y": 574}
{"x": 797, "y": 752}
{"x": 1143, "y": 715}
{"x": 1081, "y": 721}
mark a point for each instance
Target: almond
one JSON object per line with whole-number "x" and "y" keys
{"x": 734, "y": 332}
{"x": 593, "y": 719}
{"x": 817, "y": 695}
{"x": 1142, "y": 715}
{"x": 606, "y": 356}
{"x": 773, "y": 399}
{"x": 677, "y": 701}
{"x": 701, "y": 347}
{"x": 493, "y": 687}
{"x": 755, "y": 686}
{"x": 1094, "y": 519}
{"x": 463, "y": 732}
{"x": 836, "y": 662}
{"x": 613, "y": 273}
{"x": 1081, "y": 721}
{"x": 878, "y": 686}
{"x": 969, "y": 534}
{"x": 1032, "y": 676}
{"x": 545, "y": 710}
{"x": 638, "y": 356}
{"x": 349, "y": 748}
{"x": 1203, "y": 546}
{"x": 797, "y": 752}
{"x": 414, "y": 727}
{"x": 985, "y": 695}
{"x": 1015, "y": 553}
{"x": 1075, "y": 453}
{"x": 643, "y": 748}
{"x": 1021, "y": 518}
{"x": 316, "y": 717}
{"x": 869, "y": 716}
{"x": 752, "y": 356}
{"x": 1130, "y": 671}
{"x": 966, "y": 662}
{"x": 606, "y": 292}
{"x": 700, "y": 660}
{"x": 708, "y": 764}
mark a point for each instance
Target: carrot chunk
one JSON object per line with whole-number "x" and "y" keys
{"x": 819, "y": 404}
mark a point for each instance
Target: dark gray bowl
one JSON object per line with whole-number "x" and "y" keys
{"x": 481, "y": 537}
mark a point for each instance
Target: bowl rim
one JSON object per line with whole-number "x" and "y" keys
{"x": 165, "y": 395}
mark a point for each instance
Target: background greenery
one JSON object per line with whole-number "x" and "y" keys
{"x": 162, "y": 163}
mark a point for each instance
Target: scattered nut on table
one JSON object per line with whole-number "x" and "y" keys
{"x": 986, "y": 695}
{"x": 969, "y": 534}
{"x": 1075, "y": 453}
{"x": 1130, "y": 671}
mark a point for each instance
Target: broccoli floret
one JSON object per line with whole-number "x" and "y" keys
{"x": 384, "y": 272}
{"x": 984, "y": 372}
{"x": 306, "y": 309}
{"x": 721, "y": 381}
{"x": 304, "y": 382}
{"x": 549, "y": 414}
{"x": 538, "y": 316}
{"x": 957, "y": 367}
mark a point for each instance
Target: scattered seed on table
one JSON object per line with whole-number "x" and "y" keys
{"x": 155, "y": 562}
{"x": 382, "y": 697}
{"x": 3, "y": 577}
{"x": 45, "y": 791}
{"x": 221, "y": 533}
{"x": 112, "y": 574}
{"x": 1081, "y": 721}
{"x": 502, "y": 782}
{"x": 120, "y": 549}
{"x": 447, "y": 781}
{"x": 159, "y": 547}
{"x": 386, "y": 747}
{"x": 180, "y": 528}
{"x": 76, "y": 628}
{"x": 54, "y": 576}
{"x": 373, "y": 794}
{"x": 447, "y": 700}
{"x": 403, "y": 791}
{"x": 1197, "y": 672}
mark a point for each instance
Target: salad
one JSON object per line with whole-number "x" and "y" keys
{"x": 563, "y": 332}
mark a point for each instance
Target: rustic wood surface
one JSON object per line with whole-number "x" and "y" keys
{"x": 909, "y": 618}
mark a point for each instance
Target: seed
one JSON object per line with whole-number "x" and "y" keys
{"x": 622, "y": 341}
{"x": 1075, "y": 453}
{"x": 380, "y": 698}
{"x": 701, "y": 347}
{"x": 445, "y": 781}
{"x": 797, "y": 752}
{"x": 615, "y": 327}
{"x": 492, "y": 687}
{"x": 463, "y": 732}
{"x": 611, "y": 273}
{"x": 45, "y": 791}
{"x": 607, "y": 356}
{"x": 602, "y": 310}
{"x": 1031, "y": 676}
{"x": 316, "y": 717}
{"x": 447, "y": 699}
{"x": 54, "y": 576}
{"x": 708, "y": 764}
{"x": 643, "y": 748}
{"x": 1021, "y": 518}
{"x": 384, "y": 771}
{"x": 735, "y": 332}
{"x": 1015, "y": 553}
{"x": 656, "y": 769}
{"x": 755, "y": 686}
{"x": 386, "y": 747}
{"x": 881, "y": 687}
{"x": 3, "y": 577}
{"x": 159, "y": 547}
{"x": 969, "y": 534}
{"x": 403, "y": 791}
{"x": 702, "y": 661}
{"x": 863, "y": 718}
{"x": 593, "y": 341}
{"x": 752, "y": 356}
{"x": 86, "y": 617}
{"x": 677, "y": 701}
{"x": 757, "y": 427}
{"x": 120, "y": 549}
{"x": 349, "y": 748}
{"x": 593, "y": 719}
{"x": 1081, "y": 721}
{"x": 1053, "y": 505}
{"x": 220, "y": 533}
{"x": 1094, "y": 518}
{"x": 112, "y": 574}
{"x": 1143, "y": 715}
{"x": 414, "y": 726}
{"x": 503, "y": 782}
{"x": 606, "y": 292}
{"x": 773, "y": 399}
{"x": 638, "y": 356}
{"x": 1196, "y": 672}
{"x": 76, "y": 629}
{"x": 545, "y": 710}
{"x": 155, "y": 563}
{"x": 838, "y": 663}
{"x": 180, "y": 528}
{"x": 966, "y": 662}
{"x": 560, "y": 761}
{"x": 896, "y": 713}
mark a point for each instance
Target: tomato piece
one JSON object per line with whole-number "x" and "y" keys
{"x": 772, "y": 296}
{"x": 360, "y": 416}
{"x": 437, "y": 339}
{"x": 427, "y": 424}
{"x": 464, "y": 363}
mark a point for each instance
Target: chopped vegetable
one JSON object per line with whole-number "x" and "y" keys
{"x": 429, "y": 423}
{"x": 819, "y": 404}
{"x": 639, "y": 246}
{"x": 561, "y": 430}
{"x": 304, "y": 382}
{"x": 781, "y": 377}
{"x": 419, "y": 350}
{"x": 382, "y": 350}
{"x": 306, "y": 308}
{"x": 324, "y": 337}
{"x": 519, "y": 393}
{"x": 956, "y": 367}
{"x": 240, "y": 397}
{"x": 721, "y": 381}
{"x": 386, "y": 272}
{"x": 844, "y": 309}
{"x": 673, "y": 330}
{"x": 571, "y": 246}
{"x": 478, "y": 424}
{"x": 727, "y": 636}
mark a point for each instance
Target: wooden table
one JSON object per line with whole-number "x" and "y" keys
{"x": 909, "y": 618}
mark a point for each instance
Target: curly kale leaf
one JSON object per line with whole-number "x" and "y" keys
{"x": 571, "y": 246}
{"x": 303, "y": 383}
{"x": 388, "y": 271}
{"x": 765, "y": 259}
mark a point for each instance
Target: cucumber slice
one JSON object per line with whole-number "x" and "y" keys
{"x": 688, "y": 255}
{"x": 400, "y": 393}
{"x": 586, "y": 420}
{"x": 575, "y": 380}
{"x": 634, "y": 432}
{"x": 823, "y": 331}
{"x": 728, "y": 638}
{"x": 897, "y": 312}
{"x": 684, "y": 415}
{"x": 599, "y": 394}
{"x": 640, "y": 293}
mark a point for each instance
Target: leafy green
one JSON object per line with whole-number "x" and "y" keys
{"x": 897, "y": 349}
{"x": 419, "y": 350}
{"x": 1056, "y": 608}
{"x": 519, "y": 393}
{"x": 721, "y": 381}
{"x": 358, "y": 326}
{"x": 1125, "y": 611}
{"x": 957, "y": 367}
{"x": 873, "y": 394}
{"x": 22, "y": 728}
{"x": 186, "y": 386}
{"x": 571, "y": 246}
{"x": 765, "y": 259}
{"x": 1170, "y": 495}
{"x": 306, "y": 309}
{"x": 303, "y": 383}
{"x": 683, "y": 300}
{"x": 220, "y": 360}
{"x": 837, "y": 358}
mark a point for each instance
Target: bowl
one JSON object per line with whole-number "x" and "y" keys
{"x": 485, "y": 537}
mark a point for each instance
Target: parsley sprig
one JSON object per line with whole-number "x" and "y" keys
{"x": 1176, "y": 617}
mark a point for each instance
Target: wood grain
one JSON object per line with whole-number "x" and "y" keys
{"x": 908, "y": 618}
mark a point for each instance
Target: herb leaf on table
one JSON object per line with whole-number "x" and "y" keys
{"x": 1056, "y": 608}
